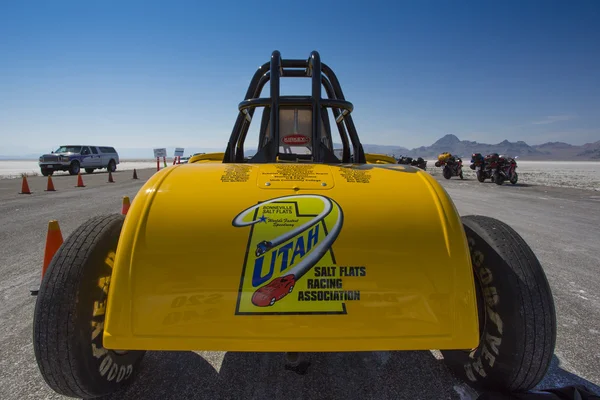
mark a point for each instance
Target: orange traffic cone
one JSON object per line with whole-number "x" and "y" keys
{"x": 25, "y": 186}
{"x": 110, "y": 178}
{"x": 134, "y": 174}
{"x": 79, "y": 180}
{"x": 53, "y": 241}
{"x": 126, "y": 204}
{"x": 50, "y": 187}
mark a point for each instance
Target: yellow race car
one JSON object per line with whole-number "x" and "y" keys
{"x": 292, "y": 247}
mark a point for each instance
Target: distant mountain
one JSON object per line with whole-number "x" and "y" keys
{"x": 547, "y": 151}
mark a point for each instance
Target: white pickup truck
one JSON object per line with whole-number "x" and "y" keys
{"x": 74, "y": 157}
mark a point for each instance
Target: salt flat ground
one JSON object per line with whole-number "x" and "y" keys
{"x": 575, "y": 174}
{"x": 14, "y": 169}
{"x": 560, "y": 224}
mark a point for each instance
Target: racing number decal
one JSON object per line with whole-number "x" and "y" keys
{"x": 289, "y": 266}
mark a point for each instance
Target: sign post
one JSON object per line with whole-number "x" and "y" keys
{"x": 178, "y": 155}
{"x": 158, "y": 153}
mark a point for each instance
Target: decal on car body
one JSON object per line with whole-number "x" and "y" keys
{"x": 289, "y": 266}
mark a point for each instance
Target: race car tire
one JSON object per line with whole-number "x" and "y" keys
{"x": 447, "y": 173}
{"x": 69, "y": 315}
{"x": 517, "y": 319}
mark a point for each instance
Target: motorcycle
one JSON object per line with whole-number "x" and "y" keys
{"x": 419, "y": 162}
{"x": 506, "y": 171}
{"x": 452, "y": 165}
{"x": 480, "y": 165}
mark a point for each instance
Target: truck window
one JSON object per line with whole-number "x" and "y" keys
{"x": 94, "y": 150}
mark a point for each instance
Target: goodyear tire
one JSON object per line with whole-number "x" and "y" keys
{"x": 517, "y": 319}
{"x": 69, "y": 315}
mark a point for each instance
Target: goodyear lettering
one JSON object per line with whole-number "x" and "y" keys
{"x": 98, "y": 328}
{"x": 487, "y": 355}
{"x": 110, "y": 259}
{"x": 493, "y": 341}
{"x": 105, "y": 365}
{"x": 490, "y": 346}
{"x": 103, "y": 283}
{"x": 99, "y": 308}
{"x": 469, "y": 372}
{"x": 98, "y": 351}
{"x": 112, "y": 374}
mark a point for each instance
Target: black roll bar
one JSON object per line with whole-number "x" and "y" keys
{"x": 321, "y": 76}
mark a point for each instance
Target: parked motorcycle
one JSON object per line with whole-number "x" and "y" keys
{"x": 481, "y": 167}
{"x": 452, "y": 165}
{"x": 418, "y": 162}
{"x": 506, "y": 171}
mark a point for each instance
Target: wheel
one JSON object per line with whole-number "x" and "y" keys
{"x": 46, "y": 171}
{"x": 112, "y": 166}
{"x": 461, "y": 174}
{"x": 74, "y": 168}
{"x": 480, "y": 176}
{"x": 89, "y": 170}
{"x": 517, "y": 316}
{"x": 498, "y": 179}
{"x": 514, "y": 178}
{"x": 68, "y": 323}
{"x": 447, "y": 173}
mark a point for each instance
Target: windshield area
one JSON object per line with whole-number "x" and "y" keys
{"x": 68, "y": 149}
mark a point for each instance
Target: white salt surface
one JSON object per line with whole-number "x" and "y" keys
{"x": 14, "y": 169}
{"x": 576, "y": 174}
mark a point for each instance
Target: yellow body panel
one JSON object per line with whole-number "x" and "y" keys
{"x": 377, "y": 253}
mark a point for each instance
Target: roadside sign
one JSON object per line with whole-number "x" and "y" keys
{"x": 160, "y": 153}
{"x": 178, "y": 151}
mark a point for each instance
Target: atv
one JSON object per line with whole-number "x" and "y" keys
{"x": 292, "y": 247}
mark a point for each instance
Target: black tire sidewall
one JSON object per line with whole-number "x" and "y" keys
{"x": 108, "y": 371}
{"x": 70, "y": 313}
{"x": 496, "y": 355}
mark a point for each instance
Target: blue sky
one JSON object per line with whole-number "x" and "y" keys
{"x": 159, "y": 74}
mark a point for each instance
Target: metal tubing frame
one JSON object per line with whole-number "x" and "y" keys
{"x": 321, "y": 75}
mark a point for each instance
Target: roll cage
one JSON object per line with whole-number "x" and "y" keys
{"x": 295, "y": 121}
